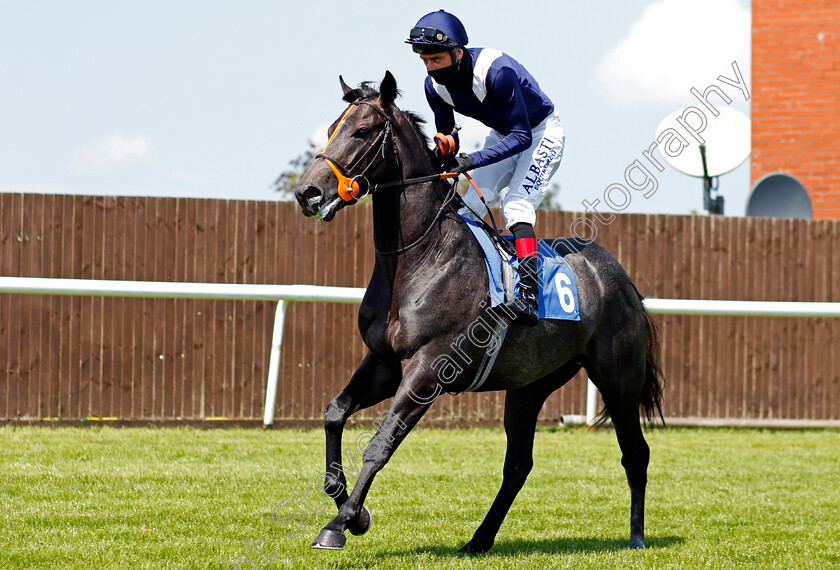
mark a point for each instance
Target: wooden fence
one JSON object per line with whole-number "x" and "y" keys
{"x": 135, "y": 359}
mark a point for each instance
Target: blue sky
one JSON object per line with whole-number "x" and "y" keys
{"x": 214, "y": 98}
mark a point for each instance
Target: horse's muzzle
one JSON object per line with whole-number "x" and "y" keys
{"x": 313, "y": 204}
{"x": 310, "y": 199}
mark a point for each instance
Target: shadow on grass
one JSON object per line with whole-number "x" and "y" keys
{"x": 546, "y": 546}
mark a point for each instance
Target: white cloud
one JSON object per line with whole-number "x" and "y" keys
{"x": 112, "y": 152}
{"x": 676, "y": 45}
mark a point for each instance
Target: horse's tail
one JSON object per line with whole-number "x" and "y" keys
{"x": 651, "y": 397}
{"x": 650, "y": 400}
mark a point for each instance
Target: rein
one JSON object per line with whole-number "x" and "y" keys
{"x": 449, "y": 197}
{"x": 352, "y": 188}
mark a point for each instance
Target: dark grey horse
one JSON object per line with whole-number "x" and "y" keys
{"x": 429, "y": 284}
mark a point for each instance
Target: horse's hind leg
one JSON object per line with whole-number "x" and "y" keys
{"x": 372, "y": 383}
{"x": 522, "y": 407}
{"x": 620, "y": 390}
{"x": 635, "y": 455}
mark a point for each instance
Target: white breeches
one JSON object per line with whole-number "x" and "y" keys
{"x": 526, "y": 175}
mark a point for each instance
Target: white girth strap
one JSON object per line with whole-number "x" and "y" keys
{"x": 499, "y": 331}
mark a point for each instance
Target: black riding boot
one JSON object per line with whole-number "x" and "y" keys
{"x": 526, "y": 304}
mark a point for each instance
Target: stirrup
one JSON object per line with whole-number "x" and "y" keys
{"x": 527, "y": 313}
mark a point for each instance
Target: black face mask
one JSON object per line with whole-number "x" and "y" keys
{"x": 445, "y": 75}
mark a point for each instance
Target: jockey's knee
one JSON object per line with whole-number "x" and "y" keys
{"x": 518, "y": 211}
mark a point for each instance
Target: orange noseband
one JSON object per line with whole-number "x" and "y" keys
{"x": 353, "y": 188}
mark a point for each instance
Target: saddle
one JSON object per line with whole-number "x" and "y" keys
{"x": 558, "y": 286}
{"x": 558, "y": 289}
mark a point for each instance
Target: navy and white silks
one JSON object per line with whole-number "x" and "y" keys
{"x": 526, "y": 140}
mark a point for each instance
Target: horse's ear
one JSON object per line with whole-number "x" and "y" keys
{"x": 388, "y": 89}
{"x": 346, "y": 88}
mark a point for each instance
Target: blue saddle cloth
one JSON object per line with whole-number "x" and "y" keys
{"x": 558, "y": 288}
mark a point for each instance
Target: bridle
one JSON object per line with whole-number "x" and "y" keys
{"x": 354, "y": 187}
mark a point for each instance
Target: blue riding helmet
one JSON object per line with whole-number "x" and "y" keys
{"x": 437, "y": 31}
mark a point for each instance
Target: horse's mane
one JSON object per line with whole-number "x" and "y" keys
{"x": 365, "y": 90}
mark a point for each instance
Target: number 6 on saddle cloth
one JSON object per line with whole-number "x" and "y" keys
{"x": 558, "y": 288}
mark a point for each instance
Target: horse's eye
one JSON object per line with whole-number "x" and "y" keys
{"x": 361, "y": 132}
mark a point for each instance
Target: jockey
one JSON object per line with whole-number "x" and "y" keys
{"x": 525, "y": 144}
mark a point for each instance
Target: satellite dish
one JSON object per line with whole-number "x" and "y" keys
{"x": 697, "y": 143}
{"x": 727, "y": 140}
{"x": 779, "y": 195}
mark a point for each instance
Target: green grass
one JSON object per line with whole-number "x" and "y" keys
{"x": 183, "y": 498}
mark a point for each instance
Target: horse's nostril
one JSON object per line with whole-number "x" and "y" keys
{"x": 312, "y": 195}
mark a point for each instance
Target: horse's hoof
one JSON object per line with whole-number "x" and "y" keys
{"x": 329, "y": 540}
{"x": 473, "y": 547}
{"x": 636, "y": 544}
{"x": 362, "y": 525}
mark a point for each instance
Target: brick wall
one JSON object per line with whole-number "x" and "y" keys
{"x": 796, "y": 96}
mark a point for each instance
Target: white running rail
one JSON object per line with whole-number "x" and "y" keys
{"x": 317, "y": 293}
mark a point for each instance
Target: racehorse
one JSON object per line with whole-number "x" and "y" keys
{"x": 429, "y": 284}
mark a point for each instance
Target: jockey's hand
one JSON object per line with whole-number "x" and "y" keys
{"x": 443, "y": 163}
{"x": 463, "y": 163}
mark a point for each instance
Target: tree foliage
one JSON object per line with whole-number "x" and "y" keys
{"x": 288, "y": 179}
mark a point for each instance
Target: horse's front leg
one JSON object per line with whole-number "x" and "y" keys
{"x": 405, "y": 412}
{"x": 372, "y": 383}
